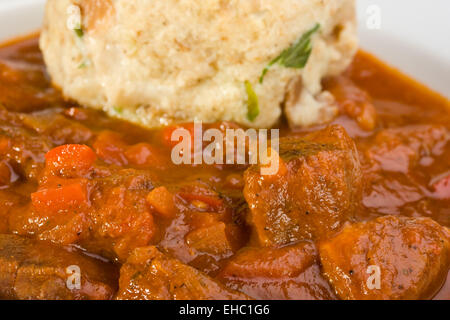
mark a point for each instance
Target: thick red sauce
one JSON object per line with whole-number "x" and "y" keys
{"x": 401, "y": 131}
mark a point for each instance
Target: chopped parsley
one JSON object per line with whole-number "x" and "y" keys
{"x": 295, "y": 56}
{"x": 252, "y": 102}
{"x": 118, "y": 110}
{"x": 79, "y": 32}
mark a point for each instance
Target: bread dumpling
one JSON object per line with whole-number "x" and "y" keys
{"x": 159, "y": 62}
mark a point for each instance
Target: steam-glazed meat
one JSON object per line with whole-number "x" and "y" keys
{"x": 409, "y": 256}
{"x": 314, "y": 192}
{"x": 290, "y": 272}
{"x": 150, "y": 275}
{"x": 37, "y": 270}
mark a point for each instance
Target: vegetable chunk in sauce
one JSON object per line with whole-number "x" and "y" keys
{"x": 409, "y": 256}
{"x": 315, "y": 192}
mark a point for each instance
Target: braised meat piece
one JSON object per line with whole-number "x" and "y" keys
{"x": 282, "y": 262}
{"x": 314, "y": 192}
{"x": 38, "y": 270}
{"x": 148, "y": 274}
{"x": 80, "y": 200}
{"x": 289, "y": 272}
{"x": 387, "y": 258}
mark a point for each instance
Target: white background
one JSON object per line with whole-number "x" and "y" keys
{"x": 414, "y": 35}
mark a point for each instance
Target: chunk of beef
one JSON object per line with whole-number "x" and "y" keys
{"x": 290, "y": 272}
{"x": 120, "y": 217}
{"x": 410, "y": 257}
{"x": 288, "y": 261}
{"x": 111, "y": 218}
{"x": 148, "y": 274}
{"x": 315, "y": 194}
{"x": 26, "y": 138}
{"x": 38, "y": 270}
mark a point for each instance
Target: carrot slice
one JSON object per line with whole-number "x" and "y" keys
{"x": 62, "y": 198}
{"x": 70, "y": 160}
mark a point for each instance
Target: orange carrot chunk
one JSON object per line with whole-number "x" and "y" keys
{"x": 72, "y": 196}
{"x": 70, "y": 160}
{"x": 162, "y": 200}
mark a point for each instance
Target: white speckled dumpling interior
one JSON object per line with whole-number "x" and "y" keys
{"x": 157, "y": 62}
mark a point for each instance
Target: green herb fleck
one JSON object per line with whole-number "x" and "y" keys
{"x": 79, "y": 32}
{"x": 296, "y": 56}
{"x": 252, "y": 102}
{"x": 82, "y": 65}
{"x": 118, "y": 110}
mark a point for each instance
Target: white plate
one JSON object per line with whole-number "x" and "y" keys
{"x": 412, "y": 35}
{"x": 19, "y": 17}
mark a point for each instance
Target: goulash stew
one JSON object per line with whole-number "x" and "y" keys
{"x": 364, "y": 195}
